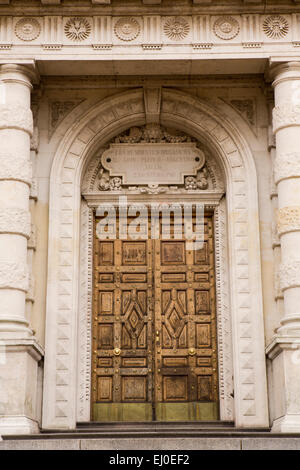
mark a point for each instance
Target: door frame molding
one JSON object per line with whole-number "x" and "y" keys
{"x": 214, "y": 201}
{"x": 93, "y": 125}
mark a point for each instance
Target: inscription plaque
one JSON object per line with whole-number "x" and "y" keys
{"x": 153, "y": 163}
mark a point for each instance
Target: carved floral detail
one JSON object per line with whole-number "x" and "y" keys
{"x": 153, "y": 189}
{"x": 199, "y": 182}
{"x": 77, "y": 29}
{"x": 275, "y": 27}
{"x": 127, "y": 29}
{"x": 58, "y": 110}
{"x": 246, "y": 108}
{"x": 289, "y": 273}
{"x": 226, "y": 27}
{"x": 13, "y": 275}
{"x": 288, "y": 219}
{"x": 27, "y": 29}
{"x": 152, "y": 133}
{"x": 177, "y": 28}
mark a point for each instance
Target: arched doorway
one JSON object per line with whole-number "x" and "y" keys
{"x": 154, "y": 315}
{"x": 67, "y": 390}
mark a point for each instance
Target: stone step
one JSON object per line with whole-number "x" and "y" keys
{"x": 247, "y": 442}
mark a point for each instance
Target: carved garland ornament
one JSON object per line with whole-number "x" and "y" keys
{"x": 226, "y": 27}
{"x": 127, "y": 29}
{"x": 77, "y": 29}
{"x": 276, "y": 27}
{"x": 176, "y": 29}
{"x": 27, "y": 29}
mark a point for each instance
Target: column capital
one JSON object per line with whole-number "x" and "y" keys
{"x": 285, "y": 71}
{"x": 19, "y": 73}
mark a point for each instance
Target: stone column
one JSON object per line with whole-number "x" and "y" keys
{"x": 284, "y": 351}
{"x": 20, "y": 353}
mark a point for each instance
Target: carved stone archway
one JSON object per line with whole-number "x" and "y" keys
{"x": 97, "y": 126}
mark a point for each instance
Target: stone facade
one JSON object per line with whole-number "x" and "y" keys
{"x": 224, "y": 76}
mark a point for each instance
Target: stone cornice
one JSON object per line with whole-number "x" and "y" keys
{"x": 168, "y": 6}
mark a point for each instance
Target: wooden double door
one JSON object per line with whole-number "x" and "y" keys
{"x": 154, "y": 330}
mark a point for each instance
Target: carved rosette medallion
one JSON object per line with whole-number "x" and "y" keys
{"x": 276, "y": 27}
{"x": 77, "y": 29}
{"x": 177, "y": 28}
{"x": 27, "y": 29}
{"x": 127, "y": 29}
{"x": 226, "y": 27}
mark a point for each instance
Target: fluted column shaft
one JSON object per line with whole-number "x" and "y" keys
{"x": 15, "y": 179}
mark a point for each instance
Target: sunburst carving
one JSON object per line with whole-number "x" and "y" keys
{"x": 176, "y": 28}
{"x": 276, "y": 27}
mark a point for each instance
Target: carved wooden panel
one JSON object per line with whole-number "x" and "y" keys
{"x": 154, "y": 322}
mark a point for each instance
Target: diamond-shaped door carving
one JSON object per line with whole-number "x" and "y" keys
{"x": 174, "y": 316}
{"x": 133, "y": 316}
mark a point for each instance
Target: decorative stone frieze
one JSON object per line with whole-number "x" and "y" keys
{"x": 275, "y": 27}
{"x": 289, "y": 273}
{"x": 287, "y": 166}
{"x": 13, "y": 275}
{"x": 16, "y": 117}
{"x": 288, "y": 219}
{"x": 15, "y": 221}
{"x": 151, "y": 32}
{"x": 14, "y": 167}
{"x": 27, "y": 29}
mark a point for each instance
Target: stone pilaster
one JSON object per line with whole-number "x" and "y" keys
{"x": 283, "y": 351}
{"x": 20, "y": 352}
